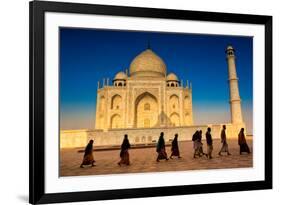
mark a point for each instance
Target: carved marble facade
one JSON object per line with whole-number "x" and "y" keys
{"x": 145, "y": 98}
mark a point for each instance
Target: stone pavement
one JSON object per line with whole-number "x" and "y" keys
{"x": 144, "y": 160}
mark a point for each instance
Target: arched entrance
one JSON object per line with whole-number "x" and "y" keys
{"x": 146, "y": 110}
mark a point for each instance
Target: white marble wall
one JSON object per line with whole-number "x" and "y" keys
{"x": 79, "y": 138}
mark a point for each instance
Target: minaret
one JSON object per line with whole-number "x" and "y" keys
{"x": 235, "y": 101}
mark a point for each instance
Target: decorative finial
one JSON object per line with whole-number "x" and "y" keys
{"x": 148, "y": 45}
{"x": 229, "y": 47}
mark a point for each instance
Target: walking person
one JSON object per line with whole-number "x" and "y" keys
{"x": 124, "y": 153}
{"x": 224, "y": 147}
{"x": 175, "y": 148}
{"x": 201, "y": 152}
{"x": 196, "y": 144}
{"x": 242, "y": 142}
{"x": 209, "y": 141}
{"x": 88, "y": 158}
{"x": 160, "y": 149}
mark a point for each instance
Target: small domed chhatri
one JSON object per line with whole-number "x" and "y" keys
{"x": 172, "y": 80}
{"x": 172, "y": 77}
{"x": 230, "y": 51}
{"x": 147, "y": 64}
{"x": 229, "y": 47}
{"x": 120, "y": 79}
{"x": 120, "y": 76}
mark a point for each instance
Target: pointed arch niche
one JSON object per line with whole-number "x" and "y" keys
{"x": 145, "y": 117}
{"x": 175, "y": 119}
{"x": 116, "y": 102}
{"x": 115, "y": 121}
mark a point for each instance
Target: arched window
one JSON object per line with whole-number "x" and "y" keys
{"x": 175, "y": 119}
{"x": 102, "y": 103}
{"x": 120, "y": 84}
{"x": 115, "y": 121}
{"x": 172, "y": 85}
{"x": 174, "y": 102}
{"x": 146, "y": 106}
{"x": 116, "y": 102}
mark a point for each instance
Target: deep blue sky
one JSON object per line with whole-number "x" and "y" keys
{"x": 89, "y": 55}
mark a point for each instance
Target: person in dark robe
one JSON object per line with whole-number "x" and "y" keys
{"x": 196, "y": 144}
{"x": 201, "y": 152}
{"x": 124, "y": 153}
{"x": 160, "y": 149}
{"x": 175, "y": 148}
{"x": 209, "y": 141}
{"x": 224, "y": 147}
{"x": 88, "y": 158}
{"x": 242, "y": 142}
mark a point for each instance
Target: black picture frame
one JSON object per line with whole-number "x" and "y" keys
{"x": 37, "y": 193}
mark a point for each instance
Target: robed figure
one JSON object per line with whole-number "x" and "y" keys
{"x": 124, "y": 153}
{"x": 201, "y": 152}
{"x": 196, "y": 144}
{"x": 160, "y": 149}
{"x": 242, "y": 142}
{"x": 88, "y": 158}
{"x": 209, "y": 141}
{"x": 224, "y": 147}
{"x": 175, "y": 148}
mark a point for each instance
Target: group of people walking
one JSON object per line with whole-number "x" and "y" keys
{"x": 161, "y": 148}
{"x": 198, "y": 145}
{"x": 88, "y": 158}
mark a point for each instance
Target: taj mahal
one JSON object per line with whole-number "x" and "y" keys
{"x": 148, "y": 100}
{"x": 147, "y": 97}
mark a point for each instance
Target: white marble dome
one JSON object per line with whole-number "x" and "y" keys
{"x": 120, "y": 76}
{"x": 147, "y": 64}
{"x": 172, "y": 77}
